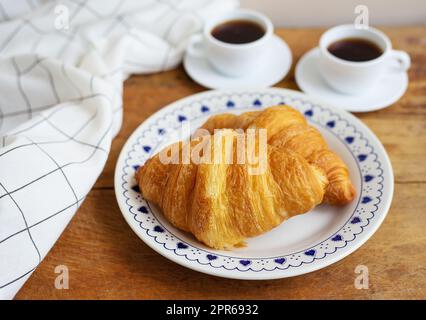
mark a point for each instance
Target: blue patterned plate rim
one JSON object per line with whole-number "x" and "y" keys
{"x": 374, "y": 167}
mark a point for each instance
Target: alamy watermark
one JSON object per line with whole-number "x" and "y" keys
{"x": 362, "y": 18}
{"x": 62, "y": 17}
{"x": 361, "y": 281}
{"x": 62, "y": 280}
{"x": 224, "y": 146}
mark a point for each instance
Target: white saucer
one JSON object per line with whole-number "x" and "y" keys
{"x": 273, "y": 68}
{"x": 388, "y": 91}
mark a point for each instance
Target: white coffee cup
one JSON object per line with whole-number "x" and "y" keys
{"x": 353, "y": 77}
{"x": 232, "y": 59}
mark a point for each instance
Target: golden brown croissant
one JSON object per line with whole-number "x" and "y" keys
{"x": 288, "y": 129}
{"x": 223, "y": 202}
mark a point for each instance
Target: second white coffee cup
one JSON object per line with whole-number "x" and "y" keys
{"x": 230, "y": 59}
{"x": 353, "y": 77}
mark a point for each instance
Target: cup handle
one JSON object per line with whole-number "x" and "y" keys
{"x": 195, "y": 46}
{"x": 403, "y": 59}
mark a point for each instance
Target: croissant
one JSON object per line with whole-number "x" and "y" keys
{"x": 288, "y": 129}
{"x": 222, "y": 202}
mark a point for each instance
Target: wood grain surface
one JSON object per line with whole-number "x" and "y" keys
{"x": 106, "y": 260}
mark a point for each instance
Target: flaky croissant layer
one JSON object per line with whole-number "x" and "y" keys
{"x": 288, "y": 129}
{"x": 223, "y": 203}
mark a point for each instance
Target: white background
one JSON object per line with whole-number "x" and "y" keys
{"x": 304, "y": 13}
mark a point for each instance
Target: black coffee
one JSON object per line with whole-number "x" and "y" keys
{"x": 238, "y": 31}
{"x": 355, "y": 49}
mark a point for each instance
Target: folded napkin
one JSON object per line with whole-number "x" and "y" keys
{"x": 62, "y": 66}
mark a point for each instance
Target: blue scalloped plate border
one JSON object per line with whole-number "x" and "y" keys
{"x": 367, "y": 216}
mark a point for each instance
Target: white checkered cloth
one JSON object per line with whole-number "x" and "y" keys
{"x": 62, "y": 65}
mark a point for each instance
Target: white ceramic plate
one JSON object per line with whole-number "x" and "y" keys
{"x": 389, "y": 89}
{"x": 301, "y": 244}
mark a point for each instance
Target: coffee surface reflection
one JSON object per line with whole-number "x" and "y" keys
{"x": 238, "y": 31}
{"x": 355, "y": 49}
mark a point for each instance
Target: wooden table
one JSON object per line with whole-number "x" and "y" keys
{"x": 106, "y": 260}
